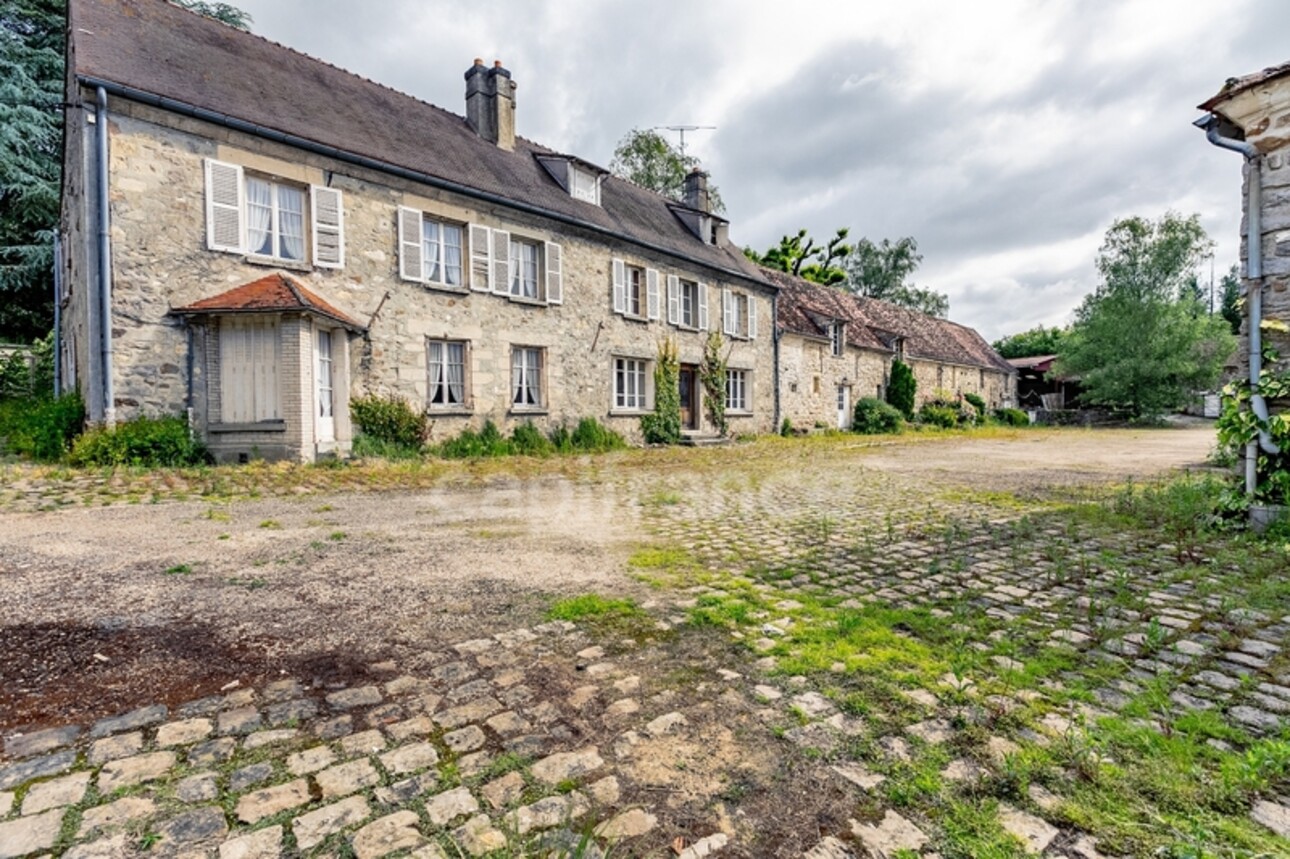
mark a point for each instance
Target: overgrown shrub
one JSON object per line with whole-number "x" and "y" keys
{"x": 786, "y": 428}
{"x": 488, "y": 442}
{"x": 663, "y": 425}
{"x": 389, "y": 420}
{"x": 978, "y": 403}
{"x": 589, "y": 436}
{"x": 902, "y": 388}
{"x": 42, "y": 429}
{"x": 527, "y": 440}
{"x": 938, "y": 415}
{"x": 1012, "y": 417}
{"x": 149, "y": 442}
{"x": 874, "y": 417}
{"x": 370, "y": 447}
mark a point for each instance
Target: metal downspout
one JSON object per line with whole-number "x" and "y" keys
{"x": 105, "y": 257}
{"x": 58, "y": 314}
{"x": 775, "y": 334}
{"x": 1254, "y": 296}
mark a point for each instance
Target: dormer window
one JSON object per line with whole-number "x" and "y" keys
{"x": 584, "y": 185}
{"x": 836, "y": 337}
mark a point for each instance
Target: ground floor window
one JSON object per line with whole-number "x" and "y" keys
{"x": 526, "y": 377}
{"x": 737, "y": 390}
{"x": 629, "y": 383}
{"x": 249, "y": 352}
{"x": 447, "y": 366}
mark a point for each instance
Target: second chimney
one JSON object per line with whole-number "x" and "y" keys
{"x": 696, "y": 191}
{"x": 490, "y": 103}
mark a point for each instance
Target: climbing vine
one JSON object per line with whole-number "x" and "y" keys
{"x": 663, "y": 425}
{"x": 712, "y": 373}
{"x": 1238, "y": 425}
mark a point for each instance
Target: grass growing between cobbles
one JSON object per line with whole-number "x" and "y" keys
{"x": 1064, "y": 647}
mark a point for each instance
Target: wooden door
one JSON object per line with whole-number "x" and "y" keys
{"x": 688, "y": 382}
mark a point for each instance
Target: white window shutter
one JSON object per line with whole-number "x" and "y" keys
{"x": 727, "y": 313}
{"x": 752, "y": 317}
{"x": 328, "y": 205}
{"x": 673, "y": 299}
{"x": 620, "y": 286}
{"x": 410, "y": 245}
{"x": 225, "y": 202}
{"x": 554, "y": 274}
{"x": 501, "y": 261}
{"x": 703, "y": 307}
{"x": 481, "y": 248}
{"x": 651, "y": 293}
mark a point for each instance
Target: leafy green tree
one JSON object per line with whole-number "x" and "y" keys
{"x": 1230, "y": 305}
{"x": 31, "y": 128}
{"x": 884, "y": 271}
{"x": 1036, "y": 341}
{"x": 800, "y": 255}
{"x": 1141, "y": 342}
{"x": 646, "y": 157}
{"x": 225, "y": 12}
{"x": 902, "y": 388}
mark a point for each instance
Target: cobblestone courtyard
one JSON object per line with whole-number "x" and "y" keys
{"x": 954, "y": 647}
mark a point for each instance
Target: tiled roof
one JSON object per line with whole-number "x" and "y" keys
{"x": 807, "y": 308}
{"x": 1237, "y": 85}
{"x": 1042, "y": 363}
{"x": 272, "y": 293}
{"x": 158, "y": 48}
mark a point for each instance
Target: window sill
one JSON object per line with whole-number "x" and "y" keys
{"x": 731, "y": 413}
{"x": 629, "y": 413}
{"x": 274, "y": 262}
{"x": 529, "y": 410}
{"x": 639, "y": 320}
{"x": 452, "y": 412}
{"x": 257, "y": 426}
{"x": 533, "y": 302}
{"x": 443, "y": 287}
{"x": 683, "y": 327}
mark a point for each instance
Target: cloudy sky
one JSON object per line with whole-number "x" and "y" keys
{"x": 1004, "y": 136}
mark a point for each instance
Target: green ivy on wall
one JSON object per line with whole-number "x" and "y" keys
{"x": 712, "y": 372}
{"x": 663, "y": 426}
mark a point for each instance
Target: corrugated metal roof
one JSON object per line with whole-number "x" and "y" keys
{"x": 161, "y": 49}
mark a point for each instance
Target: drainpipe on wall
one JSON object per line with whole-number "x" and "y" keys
{"x": 58, "y": 314}
{"x": 104, "y": 257}
{"x": 1254, "y": 274}
{"x": 775, "y": 332}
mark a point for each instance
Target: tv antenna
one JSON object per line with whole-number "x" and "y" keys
{"x": 681, "y": 129}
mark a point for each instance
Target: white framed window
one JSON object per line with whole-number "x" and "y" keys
{"x": 526, "y": 377}
{"x": 738, "y": 314}
{"x": 737, "y": 390}
{"x": 446, "y": 364}
{"x": 524, "y": 268}
{"x": 441, "y": 252}
{"x": 583, "y": 185}
{"x": 836, "y": 338}
{"x": 249, "y": 354}
{"x": 689, "y": 310}
{"x": 630, "y": 384}
{"x": 635, "y": 291}
{"x": 265, "y": 217}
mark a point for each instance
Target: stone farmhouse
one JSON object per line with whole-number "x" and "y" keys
{"x": 251, "y": 237}
{"x": 1251, "y": 115}
{"x": 835, "y": 348}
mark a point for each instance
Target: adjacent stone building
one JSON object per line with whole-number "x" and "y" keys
{"x": 1251, "y": 115}
{"x": 835, "y": 348}
{"x": 253, "y": 236}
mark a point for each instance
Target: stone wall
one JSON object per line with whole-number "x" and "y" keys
{"x": 161, "y": 261}
{"x": 810, "y": 375}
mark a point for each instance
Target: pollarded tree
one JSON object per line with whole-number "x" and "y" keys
{"x": 1140, "y": 341}
{"x": 800, "y": 255}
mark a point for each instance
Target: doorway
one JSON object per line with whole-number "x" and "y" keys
{"x": 844, "y": 406}
{"x": 687, "y": 381}
{"x": 324, "y": 389}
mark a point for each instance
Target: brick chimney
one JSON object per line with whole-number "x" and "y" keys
{"x": 696, "y": 191}
{"x": 490, "y": 103}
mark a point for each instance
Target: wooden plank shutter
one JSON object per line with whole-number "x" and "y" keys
{"x": 620, "y": 286}
{"x": 752, "y": 317}
{"x": 728, "y": 323}
{"x": 673, "y": 299}
{"x": 481, "y": 250}
{"x": 703, "y": 306}
{"x": 328, "y": 226}
{"x": 554, "y": 273}
{"x": 410, "y": 245}
{"x": 651, "y": 293}
{"x": 501, "y": 262}
{"x": 225, "y": 201}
